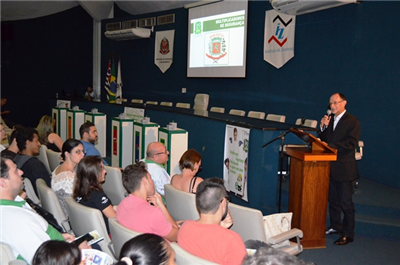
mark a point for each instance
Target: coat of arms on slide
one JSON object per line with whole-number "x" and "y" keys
{"x": 217, "y": 47}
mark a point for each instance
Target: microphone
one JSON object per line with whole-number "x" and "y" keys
{"x": 328, "y": 112}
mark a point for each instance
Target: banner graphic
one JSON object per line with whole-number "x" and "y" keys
{"x": 278, "y": 38}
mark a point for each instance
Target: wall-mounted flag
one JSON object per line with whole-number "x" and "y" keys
{"x": 278, "y": 38}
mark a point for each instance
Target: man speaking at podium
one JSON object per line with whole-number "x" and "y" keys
{"x": 341, "y": 130}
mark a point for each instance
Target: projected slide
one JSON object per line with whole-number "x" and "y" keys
{"x": 217, "y": 40}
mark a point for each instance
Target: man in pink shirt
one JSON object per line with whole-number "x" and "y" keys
{"x": 210, "y": 237}
{"x": 143, "y": 210}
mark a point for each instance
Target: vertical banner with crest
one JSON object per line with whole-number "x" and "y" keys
{"x": 164, "y": 49}
{"x": 278, "y": 38}
{"x": 235, "y": 160}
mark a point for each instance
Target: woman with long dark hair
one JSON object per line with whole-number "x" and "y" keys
{"x": 147, "y": 249}
{"x": 89, "y": 175}
{"x": 63, "y": 176}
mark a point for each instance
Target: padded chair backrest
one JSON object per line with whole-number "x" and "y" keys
{"x": 54, "y": 159}
{"x": 256, "y": 115}
{"x": 217, "y": 109}
{"x": 274, "y": 117}
{"x": 43, "y": 158}
{"x": 136, "y": 100}
{"x": 247, "y": 222}
{"x": 50, "y": 203}
{"x": 181, "y": 205}
{"x": 168, "y": 104}
{"x": 183, "y": 257}
{"x": 237, "y": 112}
{"x": 85, "y": 219}
{"x": 7, "y": 254}
{"x": 308, "y": 123}
{"x": 113, "y": 185}
{"x": 201, "y": 101}
{"x": 30, "y": 192}
{"x": 152, "y": 102}
{"x": 182, "y": 105}
{"x": 120, "y": 234}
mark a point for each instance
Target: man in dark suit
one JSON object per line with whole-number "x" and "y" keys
{"x": 341, "y": 131}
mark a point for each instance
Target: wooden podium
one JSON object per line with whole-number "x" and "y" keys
{"x": 309, "y": 185}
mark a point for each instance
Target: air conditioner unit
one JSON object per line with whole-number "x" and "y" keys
{"x": 299, "y": 7}
{"x": 128, "y": 34}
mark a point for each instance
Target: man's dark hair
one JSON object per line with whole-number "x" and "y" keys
{"x": 209, "y": 194}
{"x": 4, "y": 167}
{"x": 85, "y": 128}
{"x": 14, "y": 133}
{"x": 272, "y": 256}
{"x": 132, "y": 176}
{"x": 26, "y": 134}
{"x": 342, "y": 96}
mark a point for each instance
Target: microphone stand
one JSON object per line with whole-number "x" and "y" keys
{"x": 282, "y": 137}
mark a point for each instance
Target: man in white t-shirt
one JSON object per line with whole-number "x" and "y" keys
{"x": 156, "y": 157}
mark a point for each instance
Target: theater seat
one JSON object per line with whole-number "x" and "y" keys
{"x": 217, "y": 109}
{"x": 274, "y": 117}
{"x": 256, "y": 115}
{"x": 7, "y": 256}
{"x": 85, "y": 219}
{"x": 54, "y": 159}
{"x": 50, "y": 203}
{"x": 237, "y": 112}
{"x": 181, "y": 205}
{"x": 183, "y": 257}
{"x": 249, "y": 224}
{"x": 120, "y": 234}
{"x": 113, "y": 185}
{"x": 182, "y": 105}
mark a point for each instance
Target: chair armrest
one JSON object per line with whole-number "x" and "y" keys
{"x": 111, "y": 248}
{"x": 285, "y": 235}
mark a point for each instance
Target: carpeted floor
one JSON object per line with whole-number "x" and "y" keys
{"x": 377, "y": 233}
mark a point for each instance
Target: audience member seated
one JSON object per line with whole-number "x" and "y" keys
{"x": 89, "y": 173}
{"x": 89, "y": 94}
{"x": 156, "y": 157}
{"x": 189, "y": 164}
{"x": 47, "y": 136}
{"x": 89, "y": 137}
{"x": 12, "y": 150}
{"x": 63, "y": 178}
{"x": 268, "y": 255}
{"x": 143, "y": 210}
{"x": 147, "y": 249}
{"x": 28, "y": 144}
{"x": 210, "y": 237}
{"x": 4, "y": 114}
{"x": 22, "y": 228}
{"x": 57, "y": 252}
{"x": 3, "y": 136}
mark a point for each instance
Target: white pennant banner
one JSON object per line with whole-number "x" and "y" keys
{"x": 278, "y": 38}
{"x": 164, "y": 49}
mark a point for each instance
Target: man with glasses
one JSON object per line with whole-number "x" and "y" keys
{"x": 210, "y": 237}
{"x": 156, "y": 157}
{"x": 341, "y": 131}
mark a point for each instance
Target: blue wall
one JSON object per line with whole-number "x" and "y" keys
{"x": 349, "y": 49}
{"x": 353, "y": 49}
